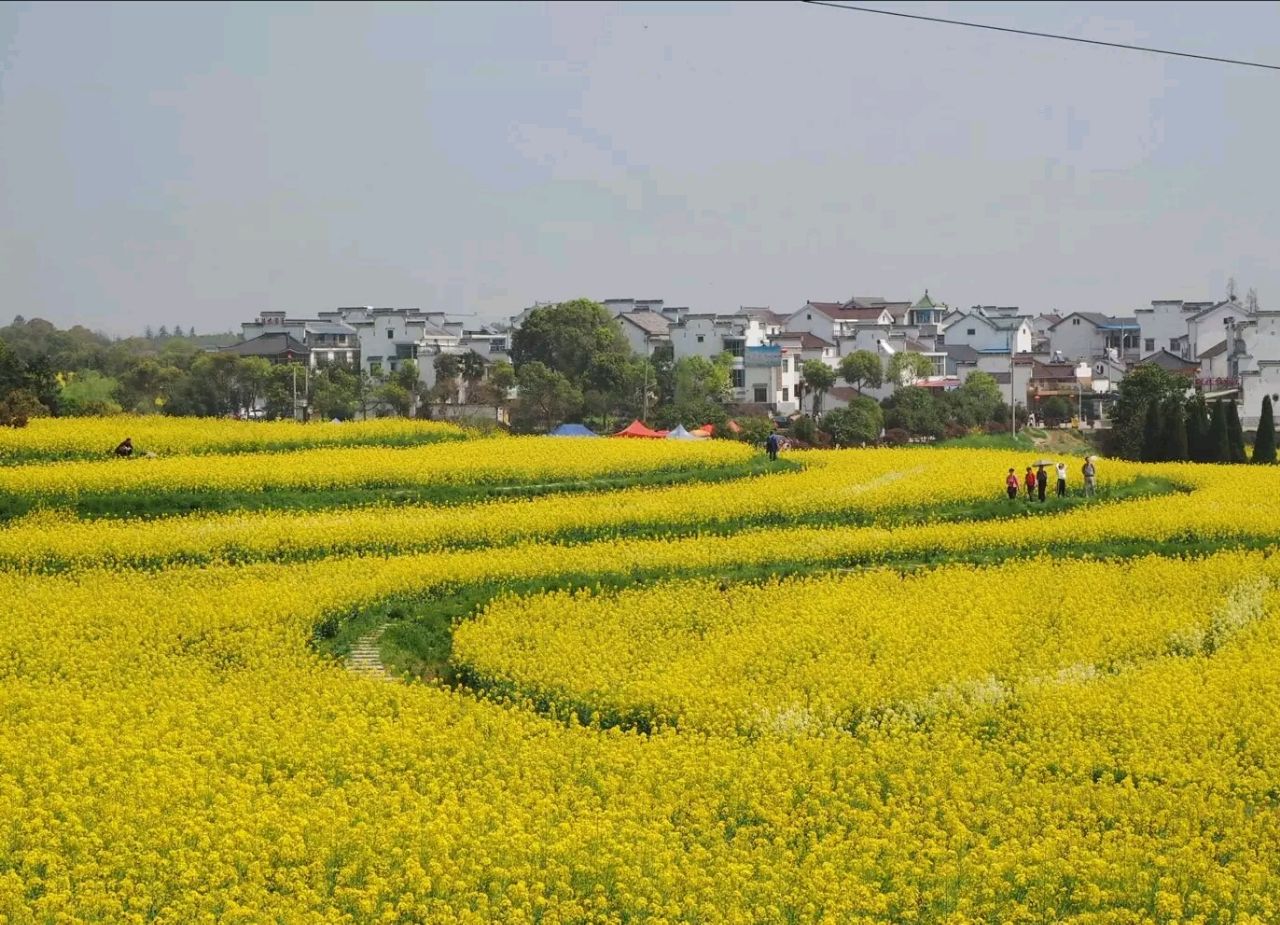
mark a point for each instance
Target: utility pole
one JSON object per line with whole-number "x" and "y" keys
{"x": 644, "y": 414}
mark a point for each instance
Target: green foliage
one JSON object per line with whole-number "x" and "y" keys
{"x": 906, "y": 368}
{"x": 1198, "y": 429}
{"x": 914, "y": 410}
{"x": 862, "y": 369}
{"x": 1219, "y": 444}
{"x": 1055, "y": 409}
{"x": 755, "y": 429}
{"x": 1153, "y": 448}
{"x": 88, "y": 393}
{"x": 547, "y": 397}
{"x": 1264, "y": 444}
{"x": 569, "y": 338}
{"x": 857, "y": 424}
{"x": 818, "y": 379}
{"x": 1143, "y": 385}
{"x": 1235, "y": 434}
{"x": 20, "y": 406}
{"x": 976, "y": 402}
{"x": 1174, "y": 429}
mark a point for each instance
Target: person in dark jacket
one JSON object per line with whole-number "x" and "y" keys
{"x": 1042, "y": 480}
{"x": 772, "y": 446}
{"x": 125, "y": 449}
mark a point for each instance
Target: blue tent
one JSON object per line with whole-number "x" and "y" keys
{"x": 572, "y": 430}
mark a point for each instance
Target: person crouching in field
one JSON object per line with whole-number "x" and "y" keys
{"x": 125, "y": 449}
{"x": 1011, "y": 485}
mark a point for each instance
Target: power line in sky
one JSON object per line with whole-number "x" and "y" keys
{"x": 1043, "y": 35}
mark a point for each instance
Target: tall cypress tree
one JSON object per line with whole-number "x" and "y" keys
{"x": 1152, "y": 441}
{"x": 1175, "y": 430}
{"x": 1198, "y": 429}
{"x": 1235, "y": 434}
{"x": 1264, "y": 445}
{"x": 1219, "y": 444}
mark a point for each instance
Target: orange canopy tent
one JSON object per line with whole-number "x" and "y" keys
{"x": 637, "y": 429}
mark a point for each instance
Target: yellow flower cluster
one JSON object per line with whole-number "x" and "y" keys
{"x": 472, "y": 462}
{"x": 81, "y": 438}
{"x": 796, "y": 655}
{"x": 1048, "y": 740}
{"x": 853, "y": 484}
{"x": 172, "y": 753}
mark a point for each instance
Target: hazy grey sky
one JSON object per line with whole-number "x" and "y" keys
{"x": 193, "y": 164}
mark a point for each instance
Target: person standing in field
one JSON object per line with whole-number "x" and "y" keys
{"x": 1062, "y": 480}
{"x": 1042, "y": 481}
{"x": 1090, "y": 477}
{"x": 1029, "y": 483}
{"x": 772, "y": 446}
{"x": 1011, "y": 485}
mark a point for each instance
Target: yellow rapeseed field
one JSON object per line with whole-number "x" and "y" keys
{"x": 1054, "y": 738}
{"x": 78, "y": 438}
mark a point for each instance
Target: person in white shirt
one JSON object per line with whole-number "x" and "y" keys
{"x": 1062, "y": 480}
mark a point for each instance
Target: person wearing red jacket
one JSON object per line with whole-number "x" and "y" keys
{"x": 1029, "y": 483}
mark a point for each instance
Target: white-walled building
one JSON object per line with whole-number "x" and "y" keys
{"x": 988, "y": 335}
{"x": 643, "y": 330}
{"x": 1213, "y": 326}
{"x": 1085, "y": 335}
{"x": 1164, "y": 324}
{"x": 1254, "y": 360}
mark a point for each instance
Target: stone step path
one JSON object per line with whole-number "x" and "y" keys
{"x": 365, "y": 659}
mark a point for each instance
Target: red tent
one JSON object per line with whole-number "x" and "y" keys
{"x": 637, "y": 429}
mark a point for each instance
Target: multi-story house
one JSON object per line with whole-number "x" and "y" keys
{"x": 1085, "y": 335}
{"x": 327, "y": 341}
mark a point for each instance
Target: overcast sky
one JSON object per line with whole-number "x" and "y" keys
{"x": 194, "y": 164}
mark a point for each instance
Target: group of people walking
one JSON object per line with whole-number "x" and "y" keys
{"x": 1036, "y": 480}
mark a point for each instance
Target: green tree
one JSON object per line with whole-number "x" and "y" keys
{"x": 88, "y": 393}
{"x": 914, "y": 410}
{"x": 407, "y": 377}
{"x": 1153, "y": 448}
{"x": 1219, "y": 446}
{"x": 906, "y": 368}
{"x": 569, "y": 338}
{"x": 1198, "y": 429}
{"x": 1264, "y": 444}
{"x": 862, "y": 369}
{"x": 1174, "y": 429}
{"x": 1235, "y": 434}
{"x": 1055, "y": 410}
{"x": 547, "y": 397}
{"x": 1144, "y": 384}
{"x": 818, "y": 379}
{"x": 858, "y": 423}
{"x": 335, "y": 393}
{"x": 471, "y": 367}
{"x": 977, "y": 401}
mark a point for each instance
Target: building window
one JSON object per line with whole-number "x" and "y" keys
{"x": 1173, "y": 343}
{"x": 808, "y": 317}
{"x": 739, "y": 378}
{"x": 762, "y": 394}
{"x": 330, "y": 356}
{"x": 735, "y": 346}
{"x": 1151, "y": 345}
{"x": 700, "y": 338}
{"x": 1075, "y": 321}
{"x": 786, "y": 394}
{"x": 786, "y": 364}
{"x": 390, "y": 334}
